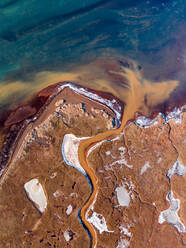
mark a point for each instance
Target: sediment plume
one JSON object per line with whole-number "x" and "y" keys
{"x": 135, "y": 96}
{"x": 106, "y": 75}
{"x": 123, "y": 80}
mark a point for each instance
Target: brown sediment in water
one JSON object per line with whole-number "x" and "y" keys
{"x": 14, "y": 124}
{"x": 134, "y": 101}
{"x": 138, "y": 95}
{"x": 106, "y": 74}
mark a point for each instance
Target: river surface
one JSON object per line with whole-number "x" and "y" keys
{"x": 134, "y": 49}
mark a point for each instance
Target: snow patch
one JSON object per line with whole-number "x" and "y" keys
{"x": 70, "y": 151}
{"x": 123, "y": 244}
{"x": 107, "y": 153}
{"x": 177, "y": 168}
{"x": 68, "y": 235}
{"x": 171, "y": 214}
{"x": 96, "y": 219}
{"x": 122, "y": 161}
{"x": 57, "y": 193}
{"x": 145, "y": 122}
{"x": 159, "y": 160}
{"x": 125, "y": 231}
{"x": 53, "y": 175}
{"x": 144, "y": 168}
{"x": 99, "y": 222}
{"x": 35, "y": 193}
{"x": 175, "y": 115}
{"x": 123, "y": 196}
{"x": 94, "y": 147}
{"x": 69, "y": 210}
{"x": 121, "y": 148}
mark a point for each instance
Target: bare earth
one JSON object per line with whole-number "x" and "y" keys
{"x": 141, "y": 181}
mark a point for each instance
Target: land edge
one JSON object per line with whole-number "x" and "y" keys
{"x": 17, "y": 128}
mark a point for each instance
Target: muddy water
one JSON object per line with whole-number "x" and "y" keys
{"x": 41, "y": 45}
{"x": 135, "y": 94}
{"x": 37, "y": 42}
{"x": 123, "y": 79}
{"x": 104, "y": 74}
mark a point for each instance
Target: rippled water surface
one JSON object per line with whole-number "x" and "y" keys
{"x": 42, "y": 42}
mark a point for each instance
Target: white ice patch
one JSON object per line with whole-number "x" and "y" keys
{"x": 177, "y": 168}
{"x": 67, "y": 236}
{"x": 159, "y": 160}
{"x": 123, "y": 244}
{"x": 121, "y": 148}
{"x": 94, "y": 147}
{"x": 123, "y": 196}
{"x": 35, "y": 193}
{"x": 171, "y": 214}
{"x": 176, "y": 115}
{"x": 117, "y": 137}
{"x": 107, "y": 153}
{"x": 98, "y": 220}
{"x": 53, "y": 175}
{"x": 122, "y": 161}
{"x": 57, "y": 193}
{"x": 144, "y": 168}
{"x": 145, "y": 122}
{"x": 74, "y": 194}
{"x": 125, "y": 231}
{"x": 70, "y": 151}
{"x": 69, "y": 210}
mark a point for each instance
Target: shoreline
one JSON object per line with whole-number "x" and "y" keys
{"x": 85, "y": 145}
{"x": 28, "y": 125}
{"x": 15, "y": 130}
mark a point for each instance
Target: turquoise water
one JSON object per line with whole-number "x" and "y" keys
{"x": 54, "y": 35}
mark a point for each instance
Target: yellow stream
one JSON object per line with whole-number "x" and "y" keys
{"x": 83, "y": 149}
{"x": 102, "y": 75}
{"x": 134, "y": 99}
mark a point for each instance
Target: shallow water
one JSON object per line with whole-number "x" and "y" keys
{"x": 133, "y": 49}
{"x": 45, "y": 42}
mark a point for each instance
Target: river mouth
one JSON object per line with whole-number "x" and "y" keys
{"x": 81, "y": 124}
{"x": 92, "y": 123}
{"x": 111, "y": 74}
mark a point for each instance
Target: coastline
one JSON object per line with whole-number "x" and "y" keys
{"x": 85, "y": 145}
{"x": 16, "y": 128}
{"x": 18, "y": 145}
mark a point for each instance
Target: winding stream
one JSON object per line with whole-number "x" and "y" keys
{"x": 137, "y": 91}
{"x": 80, "y": 148}
{"x": 84, "y": 147}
